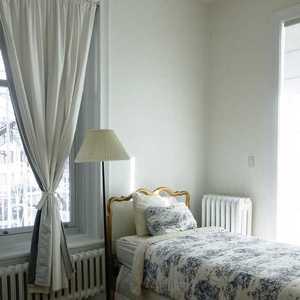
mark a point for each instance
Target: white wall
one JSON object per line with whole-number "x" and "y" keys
{"x": 192, "y": 93}
{"x": 157, "y": 69}
{"x": 242, "y": 103}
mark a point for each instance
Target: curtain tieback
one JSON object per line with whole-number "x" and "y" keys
{"x": 45, "y": 195}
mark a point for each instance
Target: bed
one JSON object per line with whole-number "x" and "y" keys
{"x": 203, "y": 263}
{"x": 123, "y": 240}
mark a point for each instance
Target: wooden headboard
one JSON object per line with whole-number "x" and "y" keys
{"x": 120, "y": 216}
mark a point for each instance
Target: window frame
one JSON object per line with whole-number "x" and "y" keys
{"x": 85, "y": 188}
{"x": 71, "y": 227}
{"x": 280, "y": 19}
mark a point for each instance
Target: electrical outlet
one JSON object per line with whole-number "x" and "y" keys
{"x": 251, "y": 161}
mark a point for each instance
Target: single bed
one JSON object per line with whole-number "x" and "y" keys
{"x": 202, "y": 263}
{"x": 124, "y": 241}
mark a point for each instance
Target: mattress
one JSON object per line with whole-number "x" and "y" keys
{"x": 125, "y": 248}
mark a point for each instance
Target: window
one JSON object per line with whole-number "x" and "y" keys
{"x": 19, "y": 192}
{"x": 288, "y": 206}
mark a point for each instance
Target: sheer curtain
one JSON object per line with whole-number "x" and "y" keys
{"x": 47, "y": 45}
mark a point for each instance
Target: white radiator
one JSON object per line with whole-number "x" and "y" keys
{"x": 231, "y": 213}
{"x": 88, "y": 280}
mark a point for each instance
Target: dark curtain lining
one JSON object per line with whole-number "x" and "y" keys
{"x": 34, "y": 248}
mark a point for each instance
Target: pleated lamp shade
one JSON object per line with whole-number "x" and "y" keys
{"x": 101, "y": 145}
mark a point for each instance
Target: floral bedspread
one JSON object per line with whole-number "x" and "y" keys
{"x": 218, "y": 265}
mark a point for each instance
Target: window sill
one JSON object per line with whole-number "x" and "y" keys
{"x": 15, "y": 249}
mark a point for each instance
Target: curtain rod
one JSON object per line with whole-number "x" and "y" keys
{"x": 290, "y": 22}
{"x": 97, "y": 2}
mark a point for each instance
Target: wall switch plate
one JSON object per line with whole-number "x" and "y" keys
{"x": 251, "y": 161}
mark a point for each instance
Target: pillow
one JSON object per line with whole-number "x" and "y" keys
{"x": 163, "y": 220}
{"x": 140, "y": 203}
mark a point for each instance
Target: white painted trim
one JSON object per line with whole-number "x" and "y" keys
{"x": 104, "y": 61}
{"x": 104, "y": 94}
{"x": 278, "y": 25}
{"x": 287, "y": 14}
{"x": 95, "y": 115}
{"x": 104, "y": 79}
{"x": 279, "y": 18}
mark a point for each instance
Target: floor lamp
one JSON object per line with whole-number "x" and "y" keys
{"x": 100, "y": 145}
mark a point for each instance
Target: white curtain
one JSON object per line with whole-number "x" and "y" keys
{"x": 47, "y": 44}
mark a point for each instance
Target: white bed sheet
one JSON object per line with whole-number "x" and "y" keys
{"x": 125, "y": 248}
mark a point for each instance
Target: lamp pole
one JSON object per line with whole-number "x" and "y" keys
{"x": 106, "y": 248}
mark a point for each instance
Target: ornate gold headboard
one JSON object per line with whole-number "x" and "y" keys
{"x": 125, "y": 216}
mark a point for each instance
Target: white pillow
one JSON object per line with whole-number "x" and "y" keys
{"x": 140, "y": 203}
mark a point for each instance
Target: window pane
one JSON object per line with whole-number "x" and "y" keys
{"x": 2, "y": 69}
{"x": 19, "y": 192}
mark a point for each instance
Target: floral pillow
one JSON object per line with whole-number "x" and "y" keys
{"x": 163, "y": 220}
{"x": 140, "y": 203}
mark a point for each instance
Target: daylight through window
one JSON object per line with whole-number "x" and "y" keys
{"x": 19, "y": 192}
{"x": 288, "y": 206}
